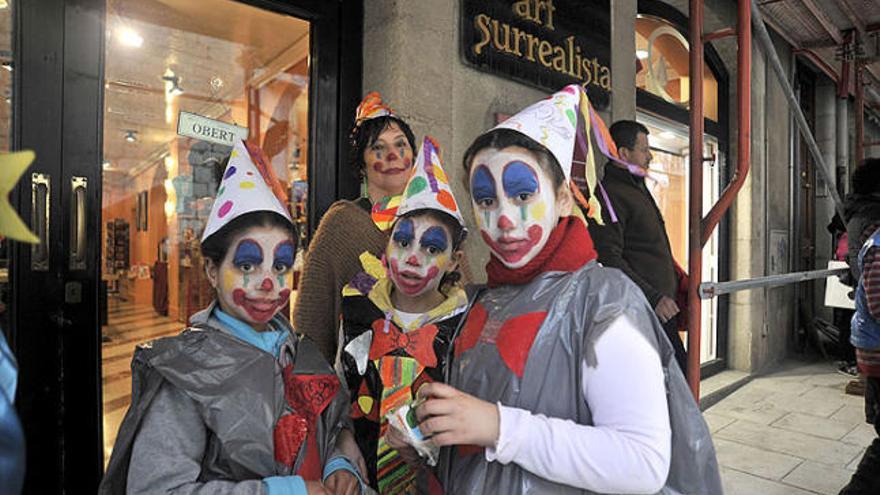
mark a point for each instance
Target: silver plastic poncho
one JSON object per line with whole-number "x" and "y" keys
{"x": 580, "y": 306}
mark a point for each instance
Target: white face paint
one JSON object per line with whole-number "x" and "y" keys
{"x": 514, "y": 202}
{"x": 253, "y": 280}
{"x": 419, "y": 254}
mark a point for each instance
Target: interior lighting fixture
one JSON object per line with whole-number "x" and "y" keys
{"x": 106, "y": 165}
{"x": 7, "y": 65}
{"x": 172, "y": 83}
{"x": 131, "y": 136}
{"x": 4, "y": 4}
{"x": 641, "y": 54}
{"x": 129, "y": 37}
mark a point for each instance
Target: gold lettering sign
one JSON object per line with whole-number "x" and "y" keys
{"x": 493, "y": 35}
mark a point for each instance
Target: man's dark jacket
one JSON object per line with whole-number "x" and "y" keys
{"x": 637, "y": 243}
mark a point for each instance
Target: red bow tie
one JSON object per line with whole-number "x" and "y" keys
{"x": 418, "y": 343}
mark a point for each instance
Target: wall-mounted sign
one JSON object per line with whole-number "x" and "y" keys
{"x": 545, "y": 43}
{"x": 214, "y": 131}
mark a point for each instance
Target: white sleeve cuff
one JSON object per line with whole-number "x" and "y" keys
{"x": 510, "y": 420}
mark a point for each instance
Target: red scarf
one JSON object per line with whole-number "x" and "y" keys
{"x": 568, "y": 248}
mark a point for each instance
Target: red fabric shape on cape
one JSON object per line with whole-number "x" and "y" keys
{"x": 308, "y": 396}
{"x": 418, "y": 343}
{"x": 515, "y": 339}
{"x": 568, "y": 248}
{"x": 473, "y": 328}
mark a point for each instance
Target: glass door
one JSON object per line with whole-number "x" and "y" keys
{"x": 668, "y": 183}
{"x": 182, "y": 81}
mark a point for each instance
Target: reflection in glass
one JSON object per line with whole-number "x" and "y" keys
{"x": 223, "y": 61}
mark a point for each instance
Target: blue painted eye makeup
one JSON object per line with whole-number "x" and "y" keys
{"x": 284, "y": 253}
{"x": 435, "y": 237}
{"x": 247, "y": 252}
{"x": 519, "y": 178}
{"x": 405, "y": 232}
{"x": 483, "y": 185}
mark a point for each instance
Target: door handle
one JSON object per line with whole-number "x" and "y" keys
{"x": 78, "y": 216}
{"x": 41, "y": 191}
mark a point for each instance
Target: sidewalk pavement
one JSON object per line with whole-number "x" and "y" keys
{"x": 793, "y": 431}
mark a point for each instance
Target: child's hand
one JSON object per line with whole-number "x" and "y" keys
{"x": 452, "y": 417}
{"x": 316, "y": 488}
{"x": 397, "y": 441}
{"x": 347, "y": 446}
{"x": 342, "y": 482}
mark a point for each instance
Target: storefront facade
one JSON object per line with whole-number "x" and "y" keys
{"x": 131, "y": 105}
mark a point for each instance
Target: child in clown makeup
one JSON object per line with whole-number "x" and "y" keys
{"x": 399, "y": 317}
{"x": 238, "y": 403}
{"x": 556, "y": 384}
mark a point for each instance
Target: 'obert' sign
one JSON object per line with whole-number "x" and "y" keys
{"x": 213, "y": 131}
{"x": 546, "y": 43}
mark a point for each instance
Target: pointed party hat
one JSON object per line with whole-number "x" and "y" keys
{"x": 12, "y": 166}
{"x": 248, "y": 185}
{"x": 372, "y": 107}
{"x": 564, "y": 124}
{"x": 428, "y": 187}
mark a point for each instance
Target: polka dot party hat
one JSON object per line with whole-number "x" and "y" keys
{"x": 566, "y": 124}
{"x": 428, "y": 187}
{"x": 248, "y": 185}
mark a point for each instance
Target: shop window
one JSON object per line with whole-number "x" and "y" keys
{"x": 5, "y": 139}
{"x": 223, "y": 63}
{"x": 662, "y": 65}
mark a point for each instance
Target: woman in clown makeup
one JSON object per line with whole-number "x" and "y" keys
{"x": 382, "y": 153}
{"x": 399, "y": 316}
{"x": 562, "y": 379}
{"x": 238, "y": 402}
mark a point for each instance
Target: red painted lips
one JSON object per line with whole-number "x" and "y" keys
{"x": 512, "y": 249}
{"x": 260, "y": 309}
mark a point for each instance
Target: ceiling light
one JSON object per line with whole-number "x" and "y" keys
{"x": 129, "y": 37}
{"x": 106, "y": 165}
{"x": 4, "y": 4}
{"x": 641, "y": 54}
{"x": 7, "y": 64}
{"x": 131, "y": 136}
{"x": 172, "y": 83}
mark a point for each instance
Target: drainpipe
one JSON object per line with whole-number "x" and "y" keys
{"x": 860, "y": 114}
{"x": 695, "y": 209}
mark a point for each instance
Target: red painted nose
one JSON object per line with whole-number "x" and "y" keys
{"x": 390, "y": 157}
{"x": 504, "y": 223}
{"x": 267, "y": 284}
{"x": 412, "y": 261}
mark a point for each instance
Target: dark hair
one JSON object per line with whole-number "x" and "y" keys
{"x": 365, "y": 134}
{"x": 505, "y": 138}
{"x": 459, "y": 234}
{"x": 625, "y": 132}
{"x": 866, "y": 177}
{"x": 217, "y": 244}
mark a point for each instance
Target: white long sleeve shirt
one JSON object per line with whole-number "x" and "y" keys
{"x": 628, "y": 447}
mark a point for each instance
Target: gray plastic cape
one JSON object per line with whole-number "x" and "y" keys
{"x": 239, "y": 391}
{"x": 580, "y": 306}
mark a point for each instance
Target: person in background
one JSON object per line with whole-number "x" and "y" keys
{"x": 399, "y": 317}
{"x": 12, "y": 442}
{"x": 861, "y": 212}
{"x": 382, "y": 155}
{"x": 636, "y": 241}
{"x": 237, "y": 403}
{"x": 865, "y": 337}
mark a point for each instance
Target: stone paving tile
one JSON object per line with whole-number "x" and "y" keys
{"x": 789, "y": 442}
{"x": 716, "y": 421}
{"x": 814, "y": 425}
{"x": 862, "y": 435}
{"x": 784, "y": 384}
{"x": 739, "y": 483}
{"x": 819, "y": 401}
{"x": 752, "y": 460}
{"x": 818, "y": 477}
{"x": 855, "y": 462}
{"x": 850, "y": 413}
{"x": 833, "y": 380}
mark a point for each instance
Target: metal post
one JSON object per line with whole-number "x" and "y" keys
{"x": 860, "y": 114}
{"x": 695, "y": 210}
